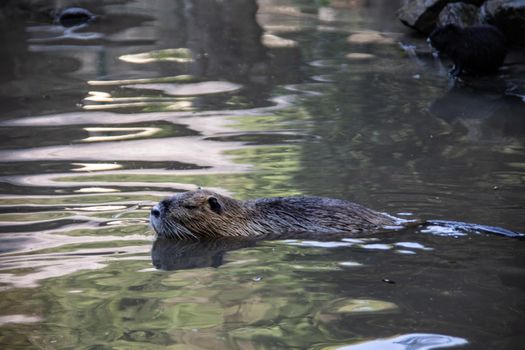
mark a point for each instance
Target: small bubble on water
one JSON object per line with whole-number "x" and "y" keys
{"x": 257, "y": 278}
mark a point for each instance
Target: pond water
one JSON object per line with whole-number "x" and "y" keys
{"x": 280, "y": 97}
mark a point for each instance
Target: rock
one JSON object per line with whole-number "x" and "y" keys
{"x": 507, "y": 15}
{"x": 74, "y": 16}
{"x": 370, "y": 37}
{"x": 458, "y": 13}
{"x": 422, "y": 15}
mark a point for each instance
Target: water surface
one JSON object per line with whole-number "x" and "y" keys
{"x": 273, "y": 98}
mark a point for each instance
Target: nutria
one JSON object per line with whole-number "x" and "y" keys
{"x": 478, "y": 49}
{"x": 204, "y": 214}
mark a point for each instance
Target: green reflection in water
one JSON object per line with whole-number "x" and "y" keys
{"x": 274, "y": 166}
{"x": 25, "y": 217}
{"x": 109, "y": 246}
{"x": 359, "y": 306}
{"x": 107, "y": 198}
{"x": 271, "y": 175}
{"x": 185, "y": 78}
{"x": 122, "y": 230}
{"x": 179, "y": 55}
{"x": 136, "y": 214}
{"x": 126, "y": 304}
{"x": 370, "y": 134}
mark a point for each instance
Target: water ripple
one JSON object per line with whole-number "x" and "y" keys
{"x": 413, "y": 341}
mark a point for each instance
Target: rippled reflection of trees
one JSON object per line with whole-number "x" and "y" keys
{"x": 390, "y": 144}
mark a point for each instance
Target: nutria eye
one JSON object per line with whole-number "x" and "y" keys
{"x": 215, "y": 205}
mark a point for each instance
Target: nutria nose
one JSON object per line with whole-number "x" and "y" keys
{"x": 155, "y": 211}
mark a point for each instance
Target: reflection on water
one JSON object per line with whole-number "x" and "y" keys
{"x": 409, "y": 342}
{"x": 179, "y": 255}
{"x": 279, "y": 97}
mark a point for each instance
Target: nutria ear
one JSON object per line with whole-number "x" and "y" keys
{"x": 215, "y": 205}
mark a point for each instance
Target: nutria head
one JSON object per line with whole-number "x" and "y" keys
{"x": 442, "y": 37}
{"x": 197, "y": 214}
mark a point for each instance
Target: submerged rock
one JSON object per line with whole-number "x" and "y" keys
{"x": 74, "y": 16}
{"x": 370, "y": 37}
{"x": 178, "y": 55}
{"x": 358, "y": 56}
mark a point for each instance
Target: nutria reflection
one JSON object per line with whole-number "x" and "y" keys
{"x": 170, "y": 254}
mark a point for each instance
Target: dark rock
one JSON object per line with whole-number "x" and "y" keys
{"x": 74, "y": 16}
{"x": 477, "y": 3}
{"x": 508, "y": 15}
{"x": 422, "y": 15}
{"x": 458, "y": 13}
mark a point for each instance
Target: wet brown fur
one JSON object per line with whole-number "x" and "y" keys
{"x": 204, "y": 214}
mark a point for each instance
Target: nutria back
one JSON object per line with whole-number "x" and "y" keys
{"x": 478, "y": 49}
{"x": 204, "y": 214}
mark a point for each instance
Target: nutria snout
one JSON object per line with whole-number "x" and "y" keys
{"x": 204, "y": 214}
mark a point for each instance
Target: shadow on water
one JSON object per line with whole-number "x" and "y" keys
{"x": 269, "y": 98}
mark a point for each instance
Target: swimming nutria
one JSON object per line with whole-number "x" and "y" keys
{"x": 478, "y": 49}
{"x": 204, "y": 214}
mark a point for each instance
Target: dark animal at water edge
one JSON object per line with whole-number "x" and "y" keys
{"x": 477, "y": 50}
{"x": 204, "y": 215}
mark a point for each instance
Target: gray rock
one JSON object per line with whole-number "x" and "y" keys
{"x": 74, "y": 16}
{"x": 458, "y": 13}
{"x": 422, "y": 15}
{"x": 507, "y": 15}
